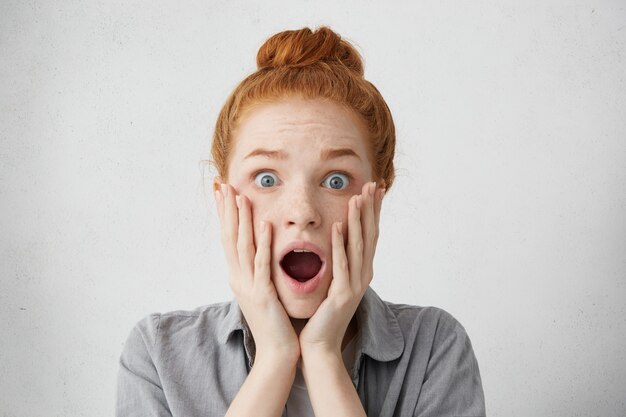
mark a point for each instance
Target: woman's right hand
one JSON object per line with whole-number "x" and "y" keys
{"x": 250, "y": 278}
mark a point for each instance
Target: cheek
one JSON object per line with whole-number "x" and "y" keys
{"x": 336, "y": 211}
{"x": 261, "y": 211}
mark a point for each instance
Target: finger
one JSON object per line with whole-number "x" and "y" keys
{"x": 378, "y": 202}
{"x": 229, "y": 225}
{"x": 370, "y": 215}
{"x": 262, "y": 259}
{"x": 219, "y": 203}
{"x": 341, "y": 274}
{"x": 355, "y": 239}
{"x": 368, "y": 219}
{"x": 380, "y": 195}
{"x": 245, "y": 240}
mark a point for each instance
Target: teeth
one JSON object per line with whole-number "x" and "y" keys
{"x": 301, "y": 250}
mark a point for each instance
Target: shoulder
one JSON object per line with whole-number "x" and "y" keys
{"x": 432, "y": 352}
{"x": 430, "y": 329}
{"x": 439, "y": 353}
{"x": 426, "y": 317}
{"x": 157, "y": 328}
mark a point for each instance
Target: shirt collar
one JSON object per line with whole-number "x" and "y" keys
{"x": 379, "y": 334}
{"x": 232, "y": 322}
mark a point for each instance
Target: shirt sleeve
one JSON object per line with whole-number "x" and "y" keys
{"x": 452, "y": 385}
{"x": 139, "y": 391}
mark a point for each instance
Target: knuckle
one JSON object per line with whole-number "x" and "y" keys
{"x": 344, "y": 299}
{"x": 343, "y": 264}
{"x": 260, "y": 262}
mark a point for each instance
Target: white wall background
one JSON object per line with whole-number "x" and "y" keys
{"x": 509, "y": 209}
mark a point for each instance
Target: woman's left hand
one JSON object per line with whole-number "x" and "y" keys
{"x": 352, "y": 273}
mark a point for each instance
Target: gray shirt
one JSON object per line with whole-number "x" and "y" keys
{"x": 410, "y": 361}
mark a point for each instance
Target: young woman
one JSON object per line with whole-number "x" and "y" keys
{"x": 304, "y": 152}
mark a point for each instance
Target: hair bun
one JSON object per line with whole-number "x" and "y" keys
{"x": 303, "y": 47}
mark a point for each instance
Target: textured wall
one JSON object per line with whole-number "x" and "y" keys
{"x": 509, "y": 210}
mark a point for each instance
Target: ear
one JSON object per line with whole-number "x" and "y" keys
{"x": 217, "y": 180}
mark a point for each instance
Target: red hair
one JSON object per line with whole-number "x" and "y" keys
{"x": 312, "y": 65}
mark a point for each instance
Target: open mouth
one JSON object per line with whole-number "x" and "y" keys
{"x": 301, "y": 264}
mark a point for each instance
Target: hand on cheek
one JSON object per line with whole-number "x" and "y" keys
{"x": 352, "y": 273}
{"x": 249, "y": 277}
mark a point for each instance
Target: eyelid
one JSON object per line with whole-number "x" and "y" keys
{"x": 260, "y": 171}
{"x": 350, "y": 177}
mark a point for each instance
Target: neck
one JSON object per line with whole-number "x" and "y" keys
{"x": 298, "y": 325}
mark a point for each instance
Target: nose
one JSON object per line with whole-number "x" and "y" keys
{"x": 300, "y": 210}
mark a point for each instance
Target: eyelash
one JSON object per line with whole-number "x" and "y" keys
{"x": 350, "y": 177}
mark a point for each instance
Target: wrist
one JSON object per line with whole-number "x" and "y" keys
{"x": 321, "y": 353}
{"x": 278, "y": 359}
{"x": 322, "y": 362}
{"x": 329, "y": 344}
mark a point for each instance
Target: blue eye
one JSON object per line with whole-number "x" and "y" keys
{"x": 336, "y": 181}
{"x": 265, "y": 179}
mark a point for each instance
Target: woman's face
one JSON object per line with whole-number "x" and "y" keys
{"x": 299, "y": 161}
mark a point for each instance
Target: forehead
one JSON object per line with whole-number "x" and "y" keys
{"x": 297, "y": 123}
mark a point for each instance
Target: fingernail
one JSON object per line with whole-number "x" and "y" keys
{"x": 238, "y": 200}
{"x": 359, "y": 201}
{"x": 263, "y": 226}
{"x": 372, "y": 188}
{"x": 339, "y": 227}
{"x": 224, "y": 188}
{"x": 218, "y": 196}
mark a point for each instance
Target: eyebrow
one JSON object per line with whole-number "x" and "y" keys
{"x": 325, "y": 155}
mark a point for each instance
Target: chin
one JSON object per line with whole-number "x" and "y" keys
{"x": 301, "y": 309}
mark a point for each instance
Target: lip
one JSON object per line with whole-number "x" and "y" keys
{"x": 303, "y": 244}
{"x": 310, "y": 285}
